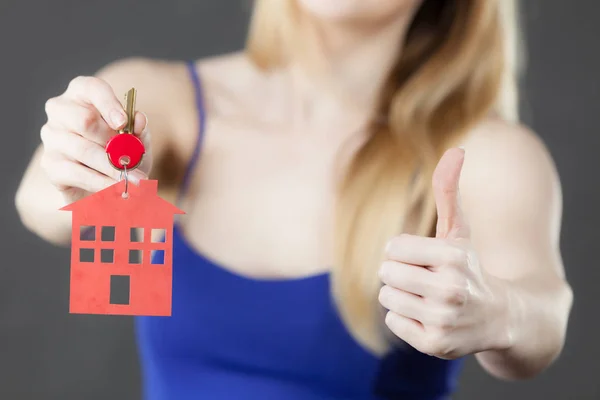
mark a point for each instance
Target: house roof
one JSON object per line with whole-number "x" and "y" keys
{"x": 146, "y": 192}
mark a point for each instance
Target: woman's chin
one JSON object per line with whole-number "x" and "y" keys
{"x": 356, "y": 10}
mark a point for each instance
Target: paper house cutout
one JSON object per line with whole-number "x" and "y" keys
{"x": 110, "y": 253}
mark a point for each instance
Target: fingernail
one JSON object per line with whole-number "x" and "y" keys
{"x": 136, "y": 176}
{"x": 117, "y": 118}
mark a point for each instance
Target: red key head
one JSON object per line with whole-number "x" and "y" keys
{"x": 125, "y": 150}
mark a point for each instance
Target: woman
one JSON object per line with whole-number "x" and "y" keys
{"x": 296, "y": 162}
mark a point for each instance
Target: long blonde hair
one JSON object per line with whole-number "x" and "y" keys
{"x": 458, "y": 64}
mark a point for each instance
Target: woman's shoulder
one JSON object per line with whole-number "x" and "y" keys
{"x": 506, "y": 142}
{"x": 507, "y": 159}
{"x": 231, "y": 84}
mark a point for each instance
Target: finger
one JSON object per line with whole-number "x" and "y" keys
{"x": 409, "y": 278}
{"x": 145, "y": 138}
{"x": 77, "y": 148}
{"x": 424, "y": 251}
{"x": 142, "y": 130}
{"x": 450, "y": 222}
{"x": 74, "y": 117}
{"x": 432, "y": 342}
{"x": 65, "y": 173}
{"x": 403, "y": 303}
{"x": 140, "y": 123}
{"x": 406, "y": 329}
{"x": 98, "y": 93}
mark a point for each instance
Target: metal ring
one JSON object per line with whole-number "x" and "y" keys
{"x": 124, "y": 174}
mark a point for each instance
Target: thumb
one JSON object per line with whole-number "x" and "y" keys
{"x": 451, "y": 222}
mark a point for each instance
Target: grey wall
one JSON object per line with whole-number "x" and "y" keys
{"x": 45, "y": 353}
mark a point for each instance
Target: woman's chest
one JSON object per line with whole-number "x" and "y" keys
{"x": 264, "y": 201}
{"x": 268, "y": 164}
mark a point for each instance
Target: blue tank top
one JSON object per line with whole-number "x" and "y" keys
{"x": 237, "y": 338}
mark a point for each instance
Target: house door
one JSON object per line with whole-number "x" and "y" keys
{"x": 119, "y": 289}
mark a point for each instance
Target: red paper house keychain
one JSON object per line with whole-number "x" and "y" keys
{"x": 105, "y": 249}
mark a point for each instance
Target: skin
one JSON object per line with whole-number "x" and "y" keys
{"x": 490, "y": 283}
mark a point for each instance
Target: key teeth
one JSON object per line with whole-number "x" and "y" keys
{"x": 130, "y": 98}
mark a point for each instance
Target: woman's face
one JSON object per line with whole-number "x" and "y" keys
{"x": 358, "y": 10}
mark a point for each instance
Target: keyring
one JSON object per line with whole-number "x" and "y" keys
{"x": 125, "y": 194}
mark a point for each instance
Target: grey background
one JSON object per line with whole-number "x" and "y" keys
{"x": 45, "y": 353}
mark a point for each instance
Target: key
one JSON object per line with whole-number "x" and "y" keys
{"x": 130, "y": 110}
{"x": 125, "y": 151}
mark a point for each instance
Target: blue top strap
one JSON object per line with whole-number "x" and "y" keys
{"x": 199, "y": 97}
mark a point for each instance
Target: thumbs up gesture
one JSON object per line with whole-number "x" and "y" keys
{"x": 440, "y": 301}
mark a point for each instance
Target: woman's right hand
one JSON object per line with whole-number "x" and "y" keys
{"x": 80, "y": 123}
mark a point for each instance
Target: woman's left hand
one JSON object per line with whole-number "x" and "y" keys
{"x": 440, "y": 300}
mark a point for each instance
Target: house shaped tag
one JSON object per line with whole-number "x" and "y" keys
{"x": 122, "y": 243}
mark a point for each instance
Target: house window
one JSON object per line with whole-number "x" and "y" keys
{"x": 158, "y": 235}
{"x": 107, "y": 256}
{"x": 136, "y": 235}
{"x": 107, "y": 234}
{"x": 157, "y": 256}
{"x": 86, "y": 255}
{"x": 87, "y": 233}
{"x": 135, "y": 256}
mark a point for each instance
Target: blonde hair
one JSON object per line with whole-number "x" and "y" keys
{"x": 458, "y": 65}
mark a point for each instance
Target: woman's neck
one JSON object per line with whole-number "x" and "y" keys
{"x": 342, "y": 69}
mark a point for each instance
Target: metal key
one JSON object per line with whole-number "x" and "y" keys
{"x": 130, "y": 110}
